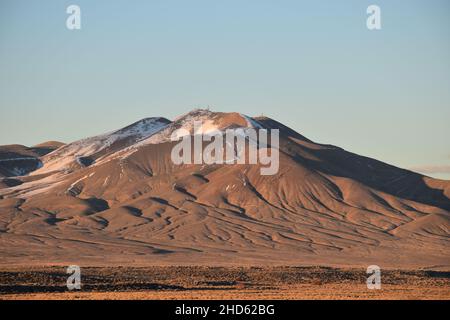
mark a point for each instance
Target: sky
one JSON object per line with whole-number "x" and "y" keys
{"x": 312, "y": 65}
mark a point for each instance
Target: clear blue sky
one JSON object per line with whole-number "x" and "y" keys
{"x": 312, "y": 65}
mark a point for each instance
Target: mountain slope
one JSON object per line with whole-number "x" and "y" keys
{"x": 133, "y": 205}
{"x": 84, "y": 152}
{"x": 17, "y": 160}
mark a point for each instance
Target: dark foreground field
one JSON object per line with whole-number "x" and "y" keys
{"x": 221, "y": 283}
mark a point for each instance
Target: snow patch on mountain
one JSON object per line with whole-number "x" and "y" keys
{"x": 210, "y": 124}
{"x": 73, "y": 152}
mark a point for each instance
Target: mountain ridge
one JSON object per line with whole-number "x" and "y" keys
{"x": 131, "y": 204}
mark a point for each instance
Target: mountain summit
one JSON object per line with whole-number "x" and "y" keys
{"x": 118, "y": 198}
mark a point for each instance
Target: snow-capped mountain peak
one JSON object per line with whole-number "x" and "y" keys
{"x": 210, "y": 122}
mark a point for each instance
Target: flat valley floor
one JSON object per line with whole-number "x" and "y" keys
{"x": 228, "y": 283}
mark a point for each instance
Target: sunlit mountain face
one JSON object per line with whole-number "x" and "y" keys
{"x": 119, "y": 198}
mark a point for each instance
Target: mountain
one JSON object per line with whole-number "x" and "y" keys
{"x": 84, "y": 152}
{"x": 16, "y": 160}
{"x": 118, "y": 199}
